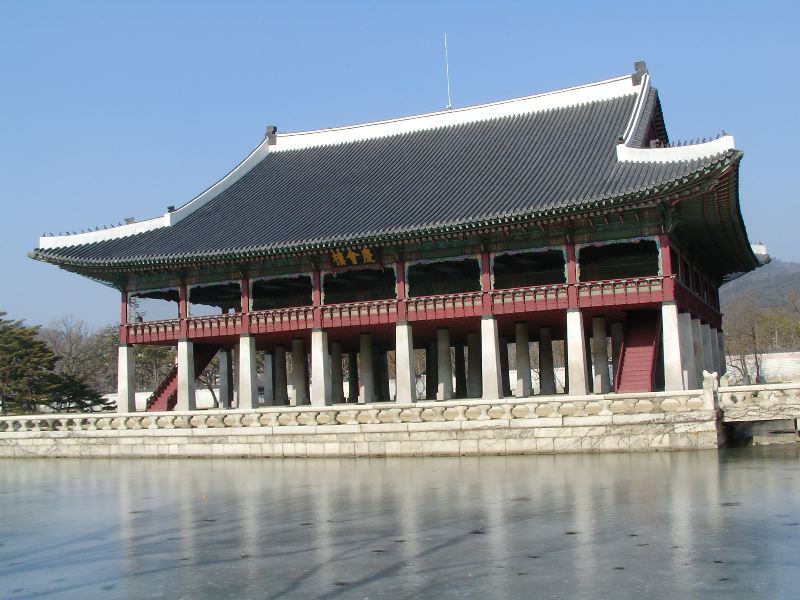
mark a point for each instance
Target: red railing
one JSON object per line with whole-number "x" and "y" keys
{"x": 446, "y": 306}
{"x": 615, "y": 292}
{"x": 528, "y": 299}
{"x": 611, "y": 292}
{"x": 690, "y": 301}
{"x": 214, "y": 325}
{"x": 282, "y": 319}
{"x": 153, "y": 331}
{"x": 371, "y": 312}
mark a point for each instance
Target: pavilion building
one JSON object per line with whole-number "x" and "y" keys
{"x": 565, "y": 216}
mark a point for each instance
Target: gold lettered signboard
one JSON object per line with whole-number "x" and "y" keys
{"x": 350, "y": 257}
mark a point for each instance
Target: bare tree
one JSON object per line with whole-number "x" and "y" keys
{"x": 744, "y": 339}
{"x": 71, "y": 341}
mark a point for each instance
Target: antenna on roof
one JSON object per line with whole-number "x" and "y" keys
{"x": 447, "y": 73}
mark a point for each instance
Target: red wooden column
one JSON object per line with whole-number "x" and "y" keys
{"x": 402, "y": 292}
{"x": 316, "y": 297}
{"x": 572, "y": 275}
{"x": 486, "y": 283}
{"x": 123, "y": 318}
{"x": 667, "y": 268}
{"x": 183, "y": 309}
{"x": 244, "y": 283}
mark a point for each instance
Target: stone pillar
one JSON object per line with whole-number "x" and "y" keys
{"x": 320, "y": 368}
{"x": 337, "y": 382}
{"x": 444, "y": 379}
{"x": 690, "y": 381}
{"x": 431, "y": 371}
{"x": 714, "y": 350}
{"x": 352, "y": 376}
{"x": 566, "y": 364}
{"x": 671, "y": 340}
{"x": 600, "y": 382}
{"x": 366, "y": 393}
{"x": 617, "y": 334}
{"x": 492, "y": 385}
{"x": 587, "y": 344}
{"x": 505, "y": 376}
{"x": 474, "y": 385}
{"x": 299, "y": 368}
{"x": 697, "y": 341}
{"x": 405, "y": 376}
{"x": 269, "y": 394}
{"x": 547, "y": 374}
{"x": 126, "y": 382}
{"x": 723, "y": 363}
{"x": 248, "y": 378}
{"x": 279, "y": 376}
{"x": 235, "y": 376}
{"x": 708, "y": 356}
{"x": 460, "y": 371}
{"x": 186, "y": 395}
{"x": 225, "y": 378}
{"x": 385, "y": 390}
{"x": 576, "y": 352}
{"x": 522, "y": 386}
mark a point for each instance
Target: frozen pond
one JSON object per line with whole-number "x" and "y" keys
{"x": 661, "y": 525}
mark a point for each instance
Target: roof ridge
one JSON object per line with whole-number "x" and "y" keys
{"x": 607, "y": 89}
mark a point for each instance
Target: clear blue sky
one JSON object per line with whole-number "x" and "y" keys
{"x": 112, "y": 109}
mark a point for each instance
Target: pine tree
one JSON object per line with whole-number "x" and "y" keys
{"x": 26, "y": 367}
{"x": 29, "y": 380}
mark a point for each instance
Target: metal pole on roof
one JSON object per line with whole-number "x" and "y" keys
{"x": 447, "y": 73}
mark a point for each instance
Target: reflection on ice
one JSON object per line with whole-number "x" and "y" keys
{"x": 625, "y": 526}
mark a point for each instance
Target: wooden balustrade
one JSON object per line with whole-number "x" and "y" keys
{"x": 214, "y": 325}
{"x": 372, "y": 312}
{"x": 612, "y": 292}
{"x": 446, "y": 306}
{"x": 615, "y": 292}
{"x": 688, "y": 300}
{"x": 282, "y": 319}
{"x": 528, "y": 299}
{"x": 153, "y": 331}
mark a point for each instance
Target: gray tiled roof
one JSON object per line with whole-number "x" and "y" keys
{"x": 528, "y": 165}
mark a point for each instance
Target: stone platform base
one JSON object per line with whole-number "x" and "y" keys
{"x": 613, "y": 423}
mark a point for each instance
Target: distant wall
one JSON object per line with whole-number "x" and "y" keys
{"x": 777, "y": 367}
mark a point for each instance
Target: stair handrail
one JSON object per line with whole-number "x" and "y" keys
{"x": 656, "y": 342}
{"x": 161, "y": 387}
{"x": 620, "y": 360}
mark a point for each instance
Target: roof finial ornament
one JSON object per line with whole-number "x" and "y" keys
{"x": 272, "y": 135}
{"x": 641, "y": 69}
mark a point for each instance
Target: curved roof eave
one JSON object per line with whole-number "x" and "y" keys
{"x": 397, "y": 236}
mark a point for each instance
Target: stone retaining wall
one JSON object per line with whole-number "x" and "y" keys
{"x": 614, "y": 422}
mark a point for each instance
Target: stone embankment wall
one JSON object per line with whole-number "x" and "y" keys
{"x": 766, "y": 402}
{"x": 599, "y": 423}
